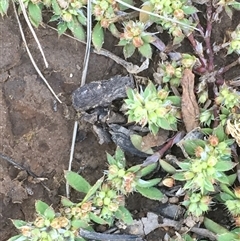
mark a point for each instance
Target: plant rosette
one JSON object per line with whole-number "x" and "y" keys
{"x": 179, "y": 13}
{"x": 135, "y": 37}
{"x": 153, "y": 107}
{"x": 209, "y": 160}
{"x": 126, "y": 181}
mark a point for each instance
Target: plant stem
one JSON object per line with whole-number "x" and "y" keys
{"x": 208, "y": 36}
{"x": 200, "y": 55}
{"x": 226, "y": 68}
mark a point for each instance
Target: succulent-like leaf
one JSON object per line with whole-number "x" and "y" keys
{"x": 148, "y": 169}
{"x": 134, "y": 169}
{"x": 66, "y": 202}
{"x": 93, "y": 189}
{"x": 223, "y": 166}
{"x": 167, "y": 167}
{"x": 97, "y": 219}
{"x": 123, "y": 214}
{"x": 225, "y": 197}
{"x": 179, "y": 176}
{"x": 18, "y": 223}
{"x": 146, "y": 50}
{"x": 120, "y": 158}
{"x": 222, "y": 178}
{"x": 98, "y": 36}
{"x": 191, "y": 145}
{"x": 128, "y": 50}
{"x": 77, "y": 29}
{"x": 189, "y": 10}
{"x": 62, "y": 27}
{"x": 176, "y": 100}
{"x": 235, "y": 5}
{"x": 151, "y": 193}
{"x": 77, "y": 182}
{"x": 214, "y": 227}
{"x": 164, "y": 124}
{"x": 19, "y": 237}
{"x": 219, "y": 132}
{"x": 185, "y": 166}
{"x": 78, "y": 223}
{"x": 81, "y": 18}
{"x": 150, "y": 90}
{"x": 148, "y": 183}
{"x": 114, "y": 31}
{"x": 56, "y": 8}
{"x": 4, "y": 4}
{"x": 111, "y": 160}
{"x": 41, "y": 207}
{"x": 35, "y": 14}
{"x": 49, "y": 213}
{"x": 228, "y": 236}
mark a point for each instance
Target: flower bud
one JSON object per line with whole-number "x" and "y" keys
{"x": 67, "y": 17}
{"x": 178, "y": 14}
{"x": 213, "y": 140}
{"x": 86, "y": 207}
{"x": 137, "y": 41}
{"x": 55, "y": 223}
{"x": 63, "y": 221}
{"x": 26, "y": 231}
{"x": 237, "y": 221}
{"x": 198, "y": 151}
{"x": 113, "y": 207}
{"x": 237, "y": 192}
{"x": 39, "y": 222}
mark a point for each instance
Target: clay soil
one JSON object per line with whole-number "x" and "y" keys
{"x": 36, "y": 132}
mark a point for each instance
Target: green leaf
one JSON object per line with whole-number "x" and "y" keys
{"x": 150, "y": 90}
{"x": 167, "y": 167}
{"x": 223, "y": 166}
{"x": 148, "y": 169}
{"x": 227, "y": 237}
{"x": 146, "y": 50}
{"x": 149, "y": 183}
{"x": 222, "y": 178}
{"x": 176, "y": 100}
{"x": 228, "y": 11}
{"x": 111, "y": 160}
{"x": 179, "y": 176}
{"x": 134, "y": 169}
{"x": 77, "y": 182}
{"x": 62, "y": 27}
{"x": 93, "y": 189}
{"x": 18, "y": 223}
{"x": 185, "y": 166}
{"x": 122, "y": 42}
{"x": 214, "y": 227}
{"x": 219, "y": 133}
{"x": 56, "y": 9}
{"x": 190, "y": 145}
{"x": 97, "y": 219}
{"x": 164, "y": 124}
{"x": 130, "y": 93}
{"x": 123, "y": 214}
{"x": 81, "y": 18}
{"x": 189, "y": 10}
{"x": 77, "y": 223}
{"x": 151, "y": 193}
{"x": 35, "y": 14}
{"x": 49, "y": 213}
{"x": 54, "y": 18}
{"x": 235, "y": 5}
{"x": 225, "y": 197}
{"x": 4, "y": 4}
{"x": 120, "y": 158}
{"x": 77, "y": 29}
{"x": 18, "y": 238}
{"x": 206, "y": 131}
{"x": 66, "y": 202}
{"x": 128, "y": 50}
{"x": 41, "y": 207}
{"x": 114, "y": 31}
{"x": 98, "y": 36}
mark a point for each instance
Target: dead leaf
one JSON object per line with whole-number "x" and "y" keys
{"x": 151, "y": 140}
{"x": 190, "y": 109}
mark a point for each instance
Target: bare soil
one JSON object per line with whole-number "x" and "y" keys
{"x": 36, "y": 131}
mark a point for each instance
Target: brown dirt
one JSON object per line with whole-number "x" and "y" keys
{"x": 39, "y": 137}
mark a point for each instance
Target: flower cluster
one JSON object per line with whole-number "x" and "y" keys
{"x": 172, "y": 71}
{"x": 235, "y": 41}
{"x": 105, "y": 11}
{"x": 134, "y": 36}
{"x": 176, "y": 11}
{"x": 153, "y": 107}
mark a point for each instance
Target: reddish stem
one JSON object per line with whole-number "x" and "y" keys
{"x": 226, "y": 68}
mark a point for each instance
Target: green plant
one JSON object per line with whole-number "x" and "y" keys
{"x": 153, "y": 107}
{"x": 103, "y": 203}
{"x": 179, "y": 11}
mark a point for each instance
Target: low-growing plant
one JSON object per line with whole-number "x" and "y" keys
{"x": 154, "y": 107}
{"x": 103, "y": 203}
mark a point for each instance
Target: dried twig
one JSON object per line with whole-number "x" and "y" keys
{"x": 204, "y": 233}
{"x": 71, "y": 155}
{"x": 15, "y": 164}
{"x": 88, "y": 44}
{"x": 30, "y": 55}
{"x": 32, "y": 31}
